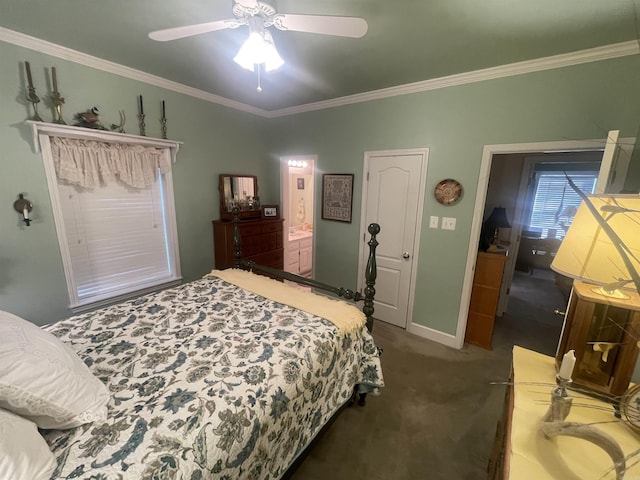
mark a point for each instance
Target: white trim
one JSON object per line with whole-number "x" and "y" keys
{"x": 66, "y": 131}
{"x": 596, "y": 54}
{"x": 431, "y": 334}
{"x": 481, "y": 193}
{"x": 529, "y": 66}
{"x": 42, "y": 46}
{"x": 364, "y": 247}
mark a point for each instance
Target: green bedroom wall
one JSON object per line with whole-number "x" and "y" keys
{"x": 216, "y": 140}
{"x": 578, "y": 102}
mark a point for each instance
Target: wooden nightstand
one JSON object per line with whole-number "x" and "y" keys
{"x": 485, "y": 293}
{"x": 604, "y": 332}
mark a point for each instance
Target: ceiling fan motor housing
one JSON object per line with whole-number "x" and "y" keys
{"x": 265, "y": 9}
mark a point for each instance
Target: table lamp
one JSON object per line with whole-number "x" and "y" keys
{"x": 602, "y": 245}
{"x": 497, "y": 220}
{"x": 602, "y": 252}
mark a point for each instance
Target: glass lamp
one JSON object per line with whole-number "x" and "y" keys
{"x": 258, "y": 49}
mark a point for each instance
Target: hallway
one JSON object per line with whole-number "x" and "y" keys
{"x": 530, "y": 321}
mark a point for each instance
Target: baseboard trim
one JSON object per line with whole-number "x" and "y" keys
{"x": 435, "y": 335}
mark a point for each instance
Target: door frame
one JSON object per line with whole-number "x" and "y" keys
{"x": 488, "y": 152}
{"x": 364, "y": 235}
{"x": 285, "y": 199}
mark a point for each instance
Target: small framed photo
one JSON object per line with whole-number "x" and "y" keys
{"x": 270, "y": 211}
{"x": 337, "y": 197}
{"x": 300, "y": 182}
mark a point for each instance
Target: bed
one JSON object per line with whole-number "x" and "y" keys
{"x": 229, "y": 377}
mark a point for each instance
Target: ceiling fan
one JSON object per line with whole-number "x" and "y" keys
{"x": 259, "y": 15}
{"x": 244, "y": 10}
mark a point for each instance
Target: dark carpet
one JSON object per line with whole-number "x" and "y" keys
{"x": 436, "y": 418}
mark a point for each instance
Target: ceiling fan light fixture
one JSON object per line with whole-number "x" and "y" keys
{"x": 259, "y": 49}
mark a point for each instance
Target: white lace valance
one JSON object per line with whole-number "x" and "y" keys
{"x": 90, "y": 163}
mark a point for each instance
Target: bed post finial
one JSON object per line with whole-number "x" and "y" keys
{"x": 370, "y": 275}
{"x": 236, "y": 237}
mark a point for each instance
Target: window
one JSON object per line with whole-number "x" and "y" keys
{"x": 555, "y": 202}
{"x": 116, "y": 240}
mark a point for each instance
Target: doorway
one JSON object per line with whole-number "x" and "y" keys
{"x": 392, "y": 196}
{"x": 531, "y": 188}
{"x": 611, "y": 177}
{"x": 298, "y": 210}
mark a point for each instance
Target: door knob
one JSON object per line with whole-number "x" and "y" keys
{"x": 405, "y": 255}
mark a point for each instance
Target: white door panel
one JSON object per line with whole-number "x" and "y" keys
{"x": 392, "y": 198}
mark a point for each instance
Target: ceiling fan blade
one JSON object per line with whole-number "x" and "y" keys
{"x": 190, "y": 30}
{"x": 353, "y": 27}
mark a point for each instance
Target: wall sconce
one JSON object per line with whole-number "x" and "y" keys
{"x": 23, "y": 206}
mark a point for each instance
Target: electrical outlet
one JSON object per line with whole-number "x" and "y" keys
{"x": 433, "y": 221}
{"x": 448, "y": 223}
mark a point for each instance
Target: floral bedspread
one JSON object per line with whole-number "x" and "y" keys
{"x": 208, "y": 381}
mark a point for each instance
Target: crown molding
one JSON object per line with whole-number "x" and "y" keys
{"x": 42, "y": 46}
{"x": 596, "y": 54}
{"x": 546, "y": 63}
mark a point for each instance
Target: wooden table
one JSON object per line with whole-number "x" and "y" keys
{"x": 527, "y": 454}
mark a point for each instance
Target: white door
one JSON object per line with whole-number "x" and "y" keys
{"x": 392, "y": 197}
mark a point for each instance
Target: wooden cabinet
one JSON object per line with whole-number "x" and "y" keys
{"x": 299, "y": 260}
{"x": 485, "y": 293}
{"x": 261, "y": 241}
{"x": 603, "y": 331}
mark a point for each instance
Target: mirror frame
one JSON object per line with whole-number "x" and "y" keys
{"x": 245, "y": 213}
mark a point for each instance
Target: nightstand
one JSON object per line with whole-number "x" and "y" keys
{"x": 487, "y": 280}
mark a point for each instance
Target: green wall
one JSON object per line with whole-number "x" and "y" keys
{"x": 579, "y": 102}
{"x": 216, "y": 140}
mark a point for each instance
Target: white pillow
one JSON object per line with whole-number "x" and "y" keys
{"x": 24, "y": 454}
{"x": 43, "y": 380}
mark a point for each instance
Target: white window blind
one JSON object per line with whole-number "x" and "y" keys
{"x": 117, "y": 240}
{"x": 551, "y": 212}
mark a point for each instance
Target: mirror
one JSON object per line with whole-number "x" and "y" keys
{"x": 239, "y": 191}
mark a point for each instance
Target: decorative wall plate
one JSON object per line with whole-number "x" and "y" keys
{"x": 448, "y": 191}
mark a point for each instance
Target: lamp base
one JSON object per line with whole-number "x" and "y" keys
{"x": 610, "y": 293}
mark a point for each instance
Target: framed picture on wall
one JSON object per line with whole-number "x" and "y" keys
{"x": 300, "y": 182}
{"x": 337, "y": 196}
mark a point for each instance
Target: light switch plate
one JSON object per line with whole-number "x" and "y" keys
{"x": 448, "y": 223}
{"x": 433, "y": 221}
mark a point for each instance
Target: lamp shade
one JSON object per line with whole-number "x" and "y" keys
{"x": 498, "y": 218}
{"x": 602, "y": 245}
{"x": 259, "y": 49}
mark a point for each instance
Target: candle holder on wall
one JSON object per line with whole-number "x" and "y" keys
{"x": 163, "y": 122}
{"x": 31, "y": 95}
{"x": 23, "y": 206}
{"x": 56, "y": 98}
{"x": 141, "y": 124}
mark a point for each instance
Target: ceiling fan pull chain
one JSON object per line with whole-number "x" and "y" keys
{"x": 259, "y": 89}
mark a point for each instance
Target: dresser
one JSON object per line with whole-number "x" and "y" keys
{"x": 485, "y": 293}
{"x": 261, "y": 241}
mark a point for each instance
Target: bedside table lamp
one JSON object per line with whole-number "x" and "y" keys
{"x": 497, "y": 220}
{"x": 602, "y": 252}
